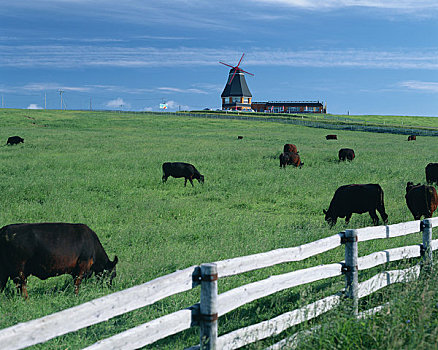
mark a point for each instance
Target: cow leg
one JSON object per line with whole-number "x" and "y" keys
{"x": 374, "y": 216}
{"x": 348, "y": 217}
{"x": 77, "y": 282}
{"x": 191, "y": 181}
{"x": 20, "y": 283}
{"x": 164, "y": 178}
{"x": 185, "y": 182}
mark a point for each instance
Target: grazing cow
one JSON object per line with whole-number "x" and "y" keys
{"x": 239, "y": 137}
{"x": 421, "y": 200}
{"x": 14, "y": 140}
{"x": 185, "y": 170}
{"x": 412, "y": 137}
{"x": 287, "y": 158}
{"x": 432, "y": 173}
{"x": 288, "y": 147}
{"x": 346, "y": 153}
{"x": 51, "y": 249}
{"x": 358, "y": 199}
{"x": 331, "y": 137}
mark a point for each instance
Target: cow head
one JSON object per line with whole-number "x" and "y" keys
{"x": 331, "y": 219}
{"x": 201, "y": 179}
{"x": 111, "y": 268}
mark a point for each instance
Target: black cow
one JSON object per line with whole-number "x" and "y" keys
{"x": 50, "y": 249}
{"x": 346, "y": 153}
{"x": 358, "y": 199}
{"x": 14, "y": 140}
{"x": 412, "y": 137}
{"x": 432, "y": 173}
{"x": 287, "y": 158}
{"x": 185, "y": 170}
{"x": 239, "y": 137}
{"x": 421, "y": 200}
{"x": 331, "y": 137}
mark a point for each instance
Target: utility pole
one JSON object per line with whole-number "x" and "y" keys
{"x": 45, "y": 101}
{"x": 91, "y": 107}
{"x": 60, "y": 94}
{"x": 3, "y": 104}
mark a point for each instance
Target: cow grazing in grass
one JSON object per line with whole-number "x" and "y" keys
{"x": 290, "y": 148}
{"x": 346, "y": 154}
{"x": 287, "y": 158}
{"x": 358, "y": 199}
{"x": 14, "y": 140}
{"x": 239, "y": 137}
{"x": 185, "y": 170}
{"x": 432, "y": 173}
{"x": 421, "y": 200}
{"x": 412, "y": 137}
{"x": 331, "y": 137}
{"x": 50, "y": 249}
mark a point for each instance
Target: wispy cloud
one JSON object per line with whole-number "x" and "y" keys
{"x": 420, "y": 85}
{"x": 190, "y": 90}
{"x": 69, "y": 57}
{"x": 411, "y": 5}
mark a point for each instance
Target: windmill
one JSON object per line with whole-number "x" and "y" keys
{"x": 236, "y": 94}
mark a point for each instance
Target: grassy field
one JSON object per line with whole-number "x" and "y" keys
{"x": 104, "y": 169}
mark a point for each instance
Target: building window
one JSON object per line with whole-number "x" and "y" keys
{"x": 245, "y": 100}
{"x": 236, "y": 99}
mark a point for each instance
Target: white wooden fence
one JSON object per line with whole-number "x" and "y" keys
{"x": 205, "y": 314}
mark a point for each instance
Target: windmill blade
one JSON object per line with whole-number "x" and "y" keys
{"x": 244, "y": 71}
{"x": 235, "y": 70}
{"x": 241, "y": 58}
{"x": 229, "y": 65}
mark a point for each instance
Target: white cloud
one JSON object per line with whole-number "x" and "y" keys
{"x": 189, "y": 90}
{"x": 34, "y": 106}
{"x": 176, "y": 106}
{"x": 118, "y": 103}
{"x": 421, "y": 85}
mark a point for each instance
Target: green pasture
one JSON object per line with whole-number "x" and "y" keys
{"x": 103, "y": 169}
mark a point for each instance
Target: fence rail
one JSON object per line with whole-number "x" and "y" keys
{"x": 212, "y": 305}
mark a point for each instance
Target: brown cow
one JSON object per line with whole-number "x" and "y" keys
{"x": 287, "y": 158}
{"x": 421, "y": 200}
{"x": 331, "y": 137}
{"x": 288, "y": 147}
{"x": 432, "y": 173}
{"x": 412, "y": 137}
{"x": 51, "y": 249}
{"x": 358, "y": 199}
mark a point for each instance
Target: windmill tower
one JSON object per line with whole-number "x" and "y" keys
{"x": 236, "y": 95}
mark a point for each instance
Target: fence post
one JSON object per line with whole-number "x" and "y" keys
{"x": 208, "y": 307}
{"x": 350, "y": 269}
{"x": 426, "y": 249}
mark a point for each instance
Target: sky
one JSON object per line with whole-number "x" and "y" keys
{"x": 358, "y": 56}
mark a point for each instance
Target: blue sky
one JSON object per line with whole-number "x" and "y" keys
{"x": 359, "y": 56}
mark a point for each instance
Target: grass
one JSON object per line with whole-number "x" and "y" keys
{"x": 104, "y": 169}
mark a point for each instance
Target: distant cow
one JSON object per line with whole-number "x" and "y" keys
{"x": 185, "y": 170}
{"x": 287, "y": 158}
{"x": 421, "y": 200}
{"x": 288, "y": 147}
{"x": 412, "y": 137}
{"x": 239, "y": 137}
{"x": 358, "y": 199}
{"x": 50, "y": 249}
{"x": 331, "y": 137}
{"x": 14, "y": 140}
{"x": 432, "y": 173}
{"x": 346, "y": 153}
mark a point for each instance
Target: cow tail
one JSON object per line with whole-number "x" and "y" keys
{"x": 427, "y": 198}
